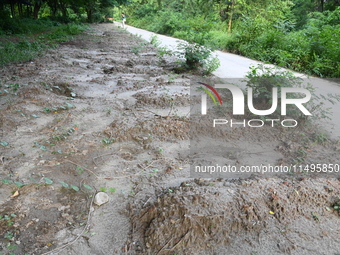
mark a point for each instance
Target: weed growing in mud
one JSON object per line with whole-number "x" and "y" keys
{"x": 80, "y": 170}
{"x": 11, "y": 89}
{"x": 55, "y": 109}
{"x": 172, "y": 77}
{"x": 64, "y": 135}
{"x": 196, "y": 56}
{"x": 8, "y": 219}
{"x": 320, "y": 138}
{"x": 108, "y": 111}
{"x": 107, "y": 141}
{"x": 138, "y": 48}
{"x": 155, "y": 41}
{"x": 336, "y": 206}
{"x": 112, "y": 190}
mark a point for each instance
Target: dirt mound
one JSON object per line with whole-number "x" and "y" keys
{"x": 203, "y": 217}
{"x": 153, "y": 99}
{"x": 161, "y": 129}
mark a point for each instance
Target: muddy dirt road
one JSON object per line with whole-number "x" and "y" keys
{"x": 103, "y": 112}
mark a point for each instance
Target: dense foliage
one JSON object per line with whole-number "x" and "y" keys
{"x": 61, "y": 10}
{"x": 303, "y": 35}
{"x": 27, "y": 27}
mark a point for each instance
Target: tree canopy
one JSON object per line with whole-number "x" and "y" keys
{"x": 64, "y": 8}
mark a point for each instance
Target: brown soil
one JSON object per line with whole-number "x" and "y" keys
{"x": 94, "y": 116}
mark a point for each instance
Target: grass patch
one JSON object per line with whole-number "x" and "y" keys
{"x": 28, "y": 46}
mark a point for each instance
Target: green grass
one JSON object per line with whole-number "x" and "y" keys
{"x": 27, "y": 46}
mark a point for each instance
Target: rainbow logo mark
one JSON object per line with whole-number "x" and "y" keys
{"x": 210, "y": 94}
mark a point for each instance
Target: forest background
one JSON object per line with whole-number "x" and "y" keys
{"x": 302, "y": 35}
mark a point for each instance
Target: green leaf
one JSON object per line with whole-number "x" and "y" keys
{"x": 3, "y": 143}
{"x": 43, "y": 148}
{"x": 12, "y": 247}
{"x": 87, "y": 186}
{"x": 64, "y": 184}
{"x": 69, "y": 105}
{"x": 5, "y": 181}
{"x": 19, "y": 184}
{"x": 75, "y": 188}
{"x": 48, "y": 181}
{"x": 34, "y": 180}
{"x": 112, "y": 190}
{"x": 35, "y": 116}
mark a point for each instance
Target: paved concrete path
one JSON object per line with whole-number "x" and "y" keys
{"x": 235, "y": 66}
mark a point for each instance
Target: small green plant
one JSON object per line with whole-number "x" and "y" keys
{"x": 56, "y": 109}
{"x": 153, "y": 172}
{"x": 336, "y": 206}
{"x": 103, "y": 189}
{"x": 9, "y": 235}
{"x": 108, "y": 111}
{"x": 10, "y": 89}
{"x": 321, "y": 138}
{"x": 172, "y": 77}
{"x": 80, "y": 170}
{"x": 138, "y": 48}
{"x": 196, "y": 56}
{"x": 64, "y": 135}
{"x": 107, "y": 141}
{"x": 154, "y": 40}
{"x": 8, "y": 219}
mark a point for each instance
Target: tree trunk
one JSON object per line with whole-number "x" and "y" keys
{"x": 89, "y": 15}
{"x": 63, "y": 8}
{"x": 231, "y": 16}
{"x": 12, "y": 9}
{"x": 20, "y": 10}
{"x": 36, "y": 10}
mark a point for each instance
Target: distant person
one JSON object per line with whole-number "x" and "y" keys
{"x": 123, "y": 19}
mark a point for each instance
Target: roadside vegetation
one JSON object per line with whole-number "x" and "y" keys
{"x": 29, "y": 27}
{"x": 297, "y": 34}
{"x": 303, "y": 35}
{"x": 33, "y": 38}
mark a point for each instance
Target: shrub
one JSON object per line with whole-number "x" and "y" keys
{"x": 263, "y": 79}
{"x": 196, "y": 56}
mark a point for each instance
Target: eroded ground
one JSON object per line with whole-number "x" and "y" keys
{"x": 104, "y": 113}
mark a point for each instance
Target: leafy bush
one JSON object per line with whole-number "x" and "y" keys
{"x": 263, "y": 79}
{"x": 195, "y": 56}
